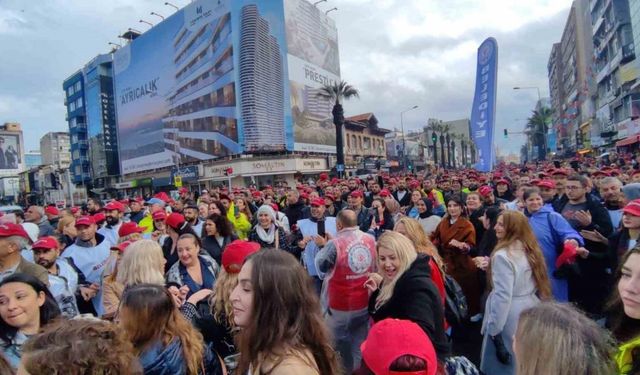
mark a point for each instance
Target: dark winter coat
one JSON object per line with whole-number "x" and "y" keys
{"x": 211, "y": 246}
{"x": 294, "y": 212}
{"x": 592, "y": 287}
{"x": 416, "y": 298}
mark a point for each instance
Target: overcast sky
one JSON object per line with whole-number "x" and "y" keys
{"x": 398, "y": 53}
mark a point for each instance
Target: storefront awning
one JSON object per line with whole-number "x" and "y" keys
{"x": 628, "y": 141}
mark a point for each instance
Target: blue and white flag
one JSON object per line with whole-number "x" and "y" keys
{"x": 483, "y": 111}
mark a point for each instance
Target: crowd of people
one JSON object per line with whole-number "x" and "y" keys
{"x": 531, "y": 269}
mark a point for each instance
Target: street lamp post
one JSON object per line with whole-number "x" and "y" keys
{"x": 404, "y": 143}
{"x": 448, "y": 141}
{"x": 434, "y": 139}
{"x": 442, "y": 150}
{"x": 453, "y": 152}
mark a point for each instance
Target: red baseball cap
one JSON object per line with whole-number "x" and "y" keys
{"x": 114, "y": 205}
{"x": 75, "y": 209}
{"x": 632, "y": 208}
{"x": 51, "y": 210}
{"x": 99, "y": 217}
{"x": 319, "y": 202}
{"x": 236, "y": 252}
{"x": 46, "y": 243}
{"x": 390, "y": 339}
{"x": 121, "y": 247}
{"x": 85, "y": 220}
{"x": 275, "y": 207}
{"x": 601, "y": 173}
{"x": 356, "y": 194}
{"x": 549, "y": 184}
{"x": 304, "y": 195}
{"x": 559, "y": 171}
{"x": 503, "y": 181}
{"x": 10, "y": 229}
{"x": 324, "y": 176}
{"x": 159, "y": 215}
{"x": 385, "y": 193}
{"x": 183, "y": 190}
{"x": 485, "y": 190}
{"x": 175, "y": 220}
{"x": 130, "y": 228}
{"x": 256, "y": 194}
{"x": 635, "y": 172}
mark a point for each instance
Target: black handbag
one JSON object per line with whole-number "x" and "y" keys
{"x": 456, "y": 308}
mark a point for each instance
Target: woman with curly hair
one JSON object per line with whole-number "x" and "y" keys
{"x": 164, "y": 341}
{"x": 104, "y": 349}
{"x": 282, "y": 330}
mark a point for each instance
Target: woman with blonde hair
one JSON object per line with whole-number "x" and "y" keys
{"x": 394, "y": 208}
{"x": 518, "y": 276}
{"x": 556, "y": 338}
{"x": 412, "y": 229}
{"x": 403, "y": 289}
{"x": 139, "y": 262}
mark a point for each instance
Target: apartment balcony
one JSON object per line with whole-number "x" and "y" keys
{"x": 628, "y": 53}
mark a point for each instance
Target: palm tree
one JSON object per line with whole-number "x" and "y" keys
{"x": 537, "y": 127}
{"x": 338, "y": 92}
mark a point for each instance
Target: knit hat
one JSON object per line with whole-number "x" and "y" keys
{"x": 268, "y": 210}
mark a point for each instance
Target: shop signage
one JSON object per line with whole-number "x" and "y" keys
{"x": 188, "y": 174}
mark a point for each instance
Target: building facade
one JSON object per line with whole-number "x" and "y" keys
{"x": 92, "y": 124}
{"x": 32, "y": 159}
{"x": 615, "y": 70}
{"x": 55, "y": 149}
{"x": 364, "y": 141}
{"x": 77, "y": 120}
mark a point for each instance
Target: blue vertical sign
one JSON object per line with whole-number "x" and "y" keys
{"x": 484, "y": 104}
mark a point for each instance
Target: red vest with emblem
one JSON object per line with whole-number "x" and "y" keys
{"x": 355, "y": 259}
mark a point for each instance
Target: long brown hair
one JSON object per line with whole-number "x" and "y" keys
{"x": 148, "y": 314}
{"x": 417, "y": 235}
{"x": 624, "y": 328}
{"x": 555, "y": 338}
{"x": 286, "y": 316}
{"x": 517, "y": 229}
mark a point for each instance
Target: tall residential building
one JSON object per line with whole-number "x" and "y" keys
{"x": 261, "y": 84}
{"x": 556, "y": 88}
{"x": 101, "y": 120}
{"x": 570, "y": 77}
{"x": 614, "y": 54}
{"x": 55, "y": 150}
{"x": 201, "y": 120}
{"x": 92, "y": 123}
{"x": 76, "y": 118}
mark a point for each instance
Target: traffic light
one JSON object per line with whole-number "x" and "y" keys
{"x": 506, "y": 133}
{"x": 434, "y": 137}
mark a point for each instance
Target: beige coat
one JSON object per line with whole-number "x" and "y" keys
{"x": 296, "y": 363}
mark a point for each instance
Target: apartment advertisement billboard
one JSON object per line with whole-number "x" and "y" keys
{"x": 313, "y": 61}
{"x": 207, "y": 82}
{"x": 11, "y": 153}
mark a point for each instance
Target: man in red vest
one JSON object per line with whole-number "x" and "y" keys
{"x": 345, "y": 262}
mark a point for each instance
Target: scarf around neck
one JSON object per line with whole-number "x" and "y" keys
{"x": 266, "y": 236}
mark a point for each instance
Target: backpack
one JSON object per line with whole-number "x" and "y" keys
{"x": 456, "y": 308}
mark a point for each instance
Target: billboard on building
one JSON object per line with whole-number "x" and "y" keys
{"x": 212, "y": 80}
{"x": 313, "y": 61}
{"x": 11, "y": 153}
